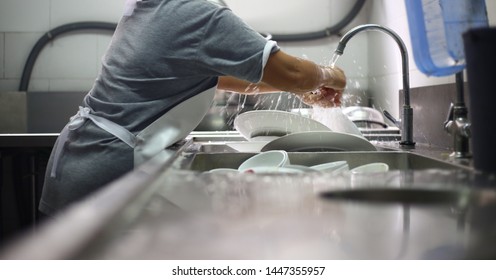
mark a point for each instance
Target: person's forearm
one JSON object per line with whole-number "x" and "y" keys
{"x": 292, "y": 81}
{"x": 292, "y": 74}
{"x": 241, "y": 86}
{"x": 287, "y": 73}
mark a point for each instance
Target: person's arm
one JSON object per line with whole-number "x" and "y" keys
{"x": 241, "y": 86}
{"x": 299, "y": 76}
{"x": 314, "y": 84}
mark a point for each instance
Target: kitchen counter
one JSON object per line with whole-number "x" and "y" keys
{"x": 163, "y": 210}
{"x": 28, "y": 140}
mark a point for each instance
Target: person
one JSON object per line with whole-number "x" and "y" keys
{"x": 162, "y": 54}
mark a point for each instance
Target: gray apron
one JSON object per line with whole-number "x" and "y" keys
{"x": 171, "y": 127}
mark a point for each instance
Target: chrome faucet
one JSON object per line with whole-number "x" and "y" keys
{"x": 406, "y": 122}
{"x": 457, "y": 123}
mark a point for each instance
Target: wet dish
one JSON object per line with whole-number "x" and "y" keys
{"x": 331, "y": 166}
{"x": 223, "y": 171}
{"x": 370, "y": 168}
{"x": 319, "y": 141}
{"x": 254, "y": 124}
{"x": 280, "y": 169}
{"x": 266, "y": 159}
{"x": 365, "y": 116}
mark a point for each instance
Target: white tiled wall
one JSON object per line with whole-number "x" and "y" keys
{"x": 24, "y": 15}
{"x": 371, "y": 61}
{"x": 70, "y": 62}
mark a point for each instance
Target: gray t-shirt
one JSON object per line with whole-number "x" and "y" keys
{"x": 168, "y": 51}
{"x": 165, "y": 52}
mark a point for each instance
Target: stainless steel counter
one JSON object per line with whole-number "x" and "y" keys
{"x": 28, "y": 140}
{"x": 165, "y": 210}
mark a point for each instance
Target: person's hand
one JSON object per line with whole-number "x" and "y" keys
{"x": 331, "y": 91}
{"x": 333, "y": 77}
{"x": 323, "y": 97}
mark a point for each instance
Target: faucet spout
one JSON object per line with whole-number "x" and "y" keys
{"x": 407, "y": 113}
{"x": 457, "y": 123}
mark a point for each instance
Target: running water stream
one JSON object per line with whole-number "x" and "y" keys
{"x": 334, "y": 59}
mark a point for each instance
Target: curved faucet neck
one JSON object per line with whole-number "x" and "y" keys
{"x": 407, "y": 118}
{"x": 404, "y": 53}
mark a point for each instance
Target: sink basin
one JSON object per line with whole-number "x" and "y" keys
{"x": 397, "y": 160}
{"x": 424, "y": 195}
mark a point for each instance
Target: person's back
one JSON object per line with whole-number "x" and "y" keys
{"x": 165, "y": 52}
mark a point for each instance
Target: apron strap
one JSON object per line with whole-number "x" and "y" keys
{"x": 78, "y": 120}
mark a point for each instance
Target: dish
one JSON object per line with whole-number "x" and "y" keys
{"x": 370, "y": 168}
{"x": 331, "y": 166}
{"x": 342, "y": 168}
{"x": 302, "y": 168}
{"x": 266, "y": 159}
{"x": 335, "y": 120}
{"x": 175, "y": 125}
{"x": 280, "y": 169}
{"x": 258, "y": 123}
{"x": 365, "y": 116}
{"x": 223, "y": 170}
{"x": 184, "y": 117}
{"x": 248, "y": 146}
{"x": 319, "y": 141}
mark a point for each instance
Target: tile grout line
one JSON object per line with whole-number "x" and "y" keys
{"x": 49, "y": 14}
{"x": 4, "y": 44}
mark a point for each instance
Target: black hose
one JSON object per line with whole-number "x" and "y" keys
{"x": 52, "y": 34}
{"x": 333, "y": 30}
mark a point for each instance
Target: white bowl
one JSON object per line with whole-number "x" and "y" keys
{"x": 276, "y": 158}
{"x": 371, "y": 168}
{"x": 223, "y": 170}
{"x": 302, "y": 168}
{"x": 290, "y": 168}
{"x": 343, "y": 168}
{"x": 330, "y": 166}
{"x": 272, "y": 170}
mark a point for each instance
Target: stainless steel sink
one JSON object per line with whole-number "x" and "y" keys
{"x": 410, "y": 195}
{"x": 397, "y": 160}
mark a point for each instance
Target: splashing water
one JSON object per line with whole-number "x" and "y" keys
{"x": 278, "y": 101}
{"x": 244, "y": 101}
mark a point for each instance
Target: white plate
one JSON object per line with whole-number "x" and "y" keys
{"x": 335, "y": 120}
{"x": 254, "y": 124}
{"x": 319, "y": 141}
{"x": 175, "y": 125}
{"x": 279, "y": 169}
{"x": 184, "y": 117}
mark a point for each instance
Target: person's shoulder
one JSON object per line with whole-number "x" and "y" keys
{"x": 195, "y": 7}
